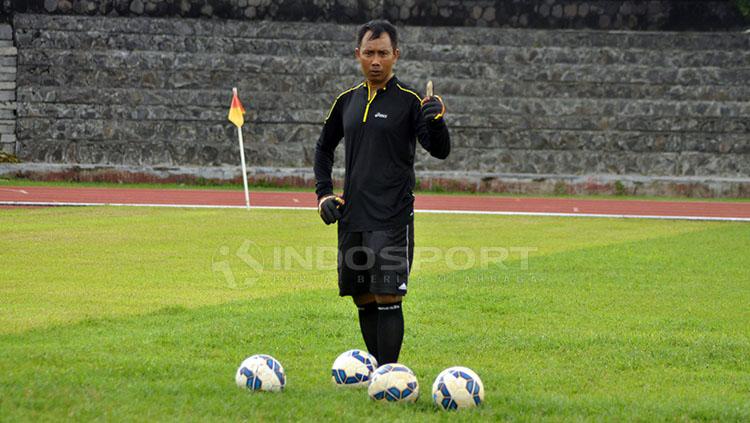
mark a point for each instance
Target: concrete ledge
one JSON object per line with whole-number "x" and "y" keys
{"x": 520, "y": 183}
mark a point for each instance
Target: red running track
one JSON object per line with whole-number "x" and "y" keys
{"x": 52, "y": 196}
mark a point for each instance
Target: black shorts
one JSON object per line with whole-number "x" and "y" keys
{"x": 376, "y": 262}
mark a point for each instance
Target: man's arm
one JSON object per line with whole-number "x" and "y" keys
{"x": 432, "y": 132}
{"x": 329, "y": 139}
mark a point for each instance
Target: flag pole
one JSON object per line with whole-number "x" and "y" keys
{"x": 242, "y": 159}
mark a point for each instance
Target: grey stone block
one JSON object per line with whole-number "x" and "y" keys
{"x": 50, "y": 5}
{"x": 6, "y": 32}
{"x": 8, "y": 148}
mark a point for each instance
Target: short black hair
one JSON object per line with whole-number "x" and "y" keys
{"x": 378, "y": 27}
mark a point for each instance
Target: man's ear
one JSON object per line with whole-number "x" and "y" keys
{"x": 396, "y": 54}
{"x": 356, "y": 52}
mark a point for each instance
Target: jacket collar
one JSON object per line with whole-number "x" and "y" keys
{"x": 388, "y": 85}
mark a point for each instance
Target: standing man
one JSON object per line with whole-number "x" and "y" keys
{"x": 380, "y": 119}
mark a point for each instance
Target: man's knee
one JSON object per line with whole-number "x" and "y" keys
{"x": 388, "y": 299}
{"x": 363, "y": 299}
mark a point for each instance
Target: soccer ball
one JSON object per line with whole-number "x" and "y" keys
{"x": 393, "y": 382}
{"x": 261, "y": 373}
{"x": 353, "y": 368}
{"x": 457, "y": 387}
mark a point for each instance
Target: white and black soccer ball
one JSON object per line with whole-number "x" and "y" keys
{"x": 353, "y": 368}
{"x": 394, "y": 383}
{"x": 456, "y": 388}
{"x": 261, "y": 373}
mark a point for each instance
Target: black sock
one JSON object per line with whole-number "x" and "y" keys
{"x": 368, "y": 324}
{"x": 390, "y": 332}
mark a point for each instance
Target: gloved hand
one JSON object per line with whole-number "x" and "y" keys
{"x": 328, "y": 208}
{"x": 433, "y": 109}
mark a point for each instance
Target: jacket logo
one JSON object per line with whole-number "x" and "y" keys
{"x": 380, "y": 115}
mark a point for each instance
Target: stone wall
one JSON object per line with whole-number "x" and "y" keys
{"x": 553, "y": 14}
{"x": 534, "y": 105}
{"x": 7, "y": 90}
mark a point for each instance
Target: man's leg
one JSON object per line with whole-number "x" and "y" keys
{"x": 390, "y": 327}
{"x": 393, "y": 251}
{"x": 368, "y": 322}
{"x": 353, "y": 261}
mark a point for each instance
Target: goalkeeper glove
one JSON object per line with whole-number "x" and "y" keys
{"x": 328, "y": 208}
{"x": 433, "y": 109}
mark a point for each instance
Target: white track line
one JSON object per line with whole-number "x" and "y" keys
{"x": 22, "y": 191}
{"x": 76, "y": 204}
{"x": 617, "y": 216}
{"x": 499, "y": 213}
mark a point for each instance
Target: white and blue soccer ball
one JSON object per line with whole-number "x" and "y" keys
{"x": 457, "y": 388}
{"x": 394, "y": 383}
{"x": 261, "y": 373}
{"x": 353, "y": 368}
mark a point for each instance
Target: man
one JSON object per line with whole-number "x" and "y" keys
{"x": 379, "y": 119}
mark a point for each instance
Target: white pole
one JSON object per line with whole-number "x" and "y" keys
{"x": 244, "y": 168}
{"x": 242, "y": 159}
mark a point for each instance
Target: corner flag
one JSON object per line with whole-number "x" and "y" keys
{"x": 236, "y": 112}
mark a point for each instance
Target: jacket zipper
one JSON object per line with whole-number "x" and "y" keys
{"x": 367, "y": 109}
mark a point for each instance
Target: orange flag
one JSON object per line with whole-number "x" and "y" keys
{"x": 236, "y": 111}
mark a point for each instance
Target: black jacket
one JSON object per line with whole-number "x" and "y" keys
{"x": 379, "y": 140}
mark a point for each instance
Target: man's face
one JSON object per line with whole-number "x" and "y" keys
{"x": 377, "y": 57}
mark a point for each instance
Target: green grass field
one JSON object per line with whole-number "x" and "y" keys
{"x": 145, "y": 314}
